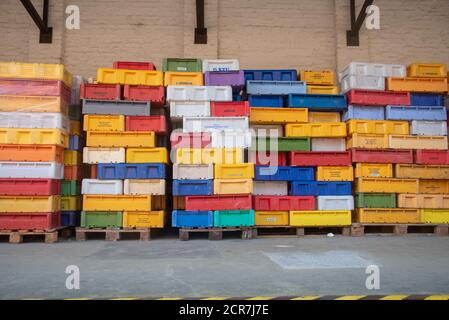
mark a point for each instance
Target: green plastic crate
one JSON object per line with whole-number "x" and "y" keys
{"x": 375, "y": 200}
{"x": 182, "y": 65}
{"x": 70, "y": 188}
{"x": 101, "y": 219}
{"x": 284, "y": 145}
{"x": 234, "y": 218}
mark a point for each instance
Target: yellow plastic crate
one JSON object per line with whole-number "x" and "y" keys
{"x": 279, "y": 115}
{"x": 73, "y": 158}
{"x": 316, "y": 130}
{"x": 378, "y": 127}
{"x": 116, "y": 203}
{"x": 323, "y": 90}
{"x": 320, "y": 218}
{"x": 233, "y": 186}
{"x": 435, "y": 216}
{"x": 272, "y": 218}
{"x": 335, "y": 174}
{"x": 368, "y": 141}
{"x": 75, "y": 128}
{"x": 410, "y": 171}
{"x": 131, "y": 77}
{"x": 374, "y": 170}
{"x": 325, "y": 77}
{"x": 18, "y": 70}
{"x": 387, "y": 216}
{"x": 184, "y": 79}
{"x": 385, "y": 185}
{"x": 121, "y": 139}
{"x": 104, "y": 123}
{"x": 145, "y": 187}
{"x": 146, "y": 155}
{"x": 324, "y": 117}
{"x": 33, "y": 104}
{"x": 11, "y": 204}
{"x": 144, "y": 219}
{"x": 34, "y": 136}
{"x": 423, "y": 201}
{"x": 72, "y": 203}
{"x": 234, "y": 171}
{"x": 209, "y": 156}
{"x": 433, "y": 186}
{"x": 427, "y": 70}
{"x": 435, "y": 85}
{"x": 418, "y": 142}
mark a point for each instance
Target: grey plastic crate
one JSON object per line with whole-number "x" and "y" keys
{"x": 127, "y": 108}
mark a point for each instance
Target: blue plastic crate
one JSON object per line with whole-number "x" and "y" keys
{"x": 70, "y": 219}
{"x": 425, "y": 99}
{"x": 182, "y": 188}
{"x": 192, "y": 219}
{"x": 410, "y": 113}
{"x": 131, "y": 171}
{"x": 266, "y": 101}
{"x": 276, "y": 87}
{"x": 76, "y": 143}
{"x": 265, "y": 173}
{"x": 325, "y": 102}
{"x": 237, "y": 97}
{"x": 364, "y": 113}
{"x": 271, "y": 75}
{"x": 318, "y": 188}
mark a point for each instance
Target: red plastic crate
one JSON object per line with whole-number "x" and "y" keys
{"x": 93, "y": 171}
{"x": 384, "y": 156}
{"x": 30, "y": 221}
{"x": 157, "y": 124}
{"x": 22, "y": 87}
{"x": 255, "y": 157}
{"x": 190, "y": 140}
{"x": 30, "y": 187}
{"x": 225, "y": 202}
{"x": 130, "y": 65}
{"x": 280, "y": 203}
{"x": 230, "y": 109}
{"x": 315, "y": 159}
{"x": 432, "y": 157}
{"x": 378, "y": 98}
{"x": 156, "y": 95}
{"x": 100, "y": 91}
{"x": 75, "y": 172}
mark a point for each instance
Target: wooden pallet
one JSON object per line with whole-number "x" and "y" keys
{"x": 49, "y": 236}
{"x": 111, "y": 234}
{"x": 361, "y": 229}
{"x": 289, "y": 231}
{"x": 216, "y": 233}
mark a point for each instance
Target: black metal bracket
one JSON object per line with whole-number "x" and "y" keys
{"x": 352, "y": 36}
{"x": 200, "y": 30}
{"x": 46, "y": 33}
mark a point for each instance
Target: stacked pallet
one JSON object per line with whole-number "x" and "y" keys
{"x": 211, "y": 182}
{"x": 127, "y": 184}
{"x": 34, "y": 105}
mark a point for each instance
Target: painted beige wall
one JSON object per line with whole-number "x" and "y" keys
{"x": 261, "y": 33}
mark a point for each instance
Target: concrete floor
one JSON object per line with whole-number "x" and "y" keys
{"x": 236, "y": 268}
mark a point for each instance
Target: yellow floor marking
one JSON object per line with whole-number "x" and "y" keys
{"x": 307, "y": 298}
{"x": 350, "y": 298}
{"x": 397, "y": 297}
{"x": 438, "y": 297}
{"x": 261, "y": 298}
{"x": 216, "y": 298}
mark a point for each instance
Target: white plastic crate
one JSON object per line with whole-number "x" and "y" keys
{"x": 429, "y": 128}
{"x": 199, "y": 93}
{"x": 362, "y": 83}
{"x": 32, "y": 170}
{"x": 211, "y": 124}
{"x": 264, "y": 131}
{"x": 193, "y": 171}
{"x": 100, "y": 187}
{"x": 374, "y": 69}
{"x": 104, "y": 155}
{"x": 270, "y": 188}
{"x": 328, "y": 144}
{"x": 37, "y": 120}
{"x": 335, "y": 203}
{"x": 181, "y": 109}
{"x": 145, "y": 187}
{"x": 232, "y": 139}
{"x": 221, "y": 65}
